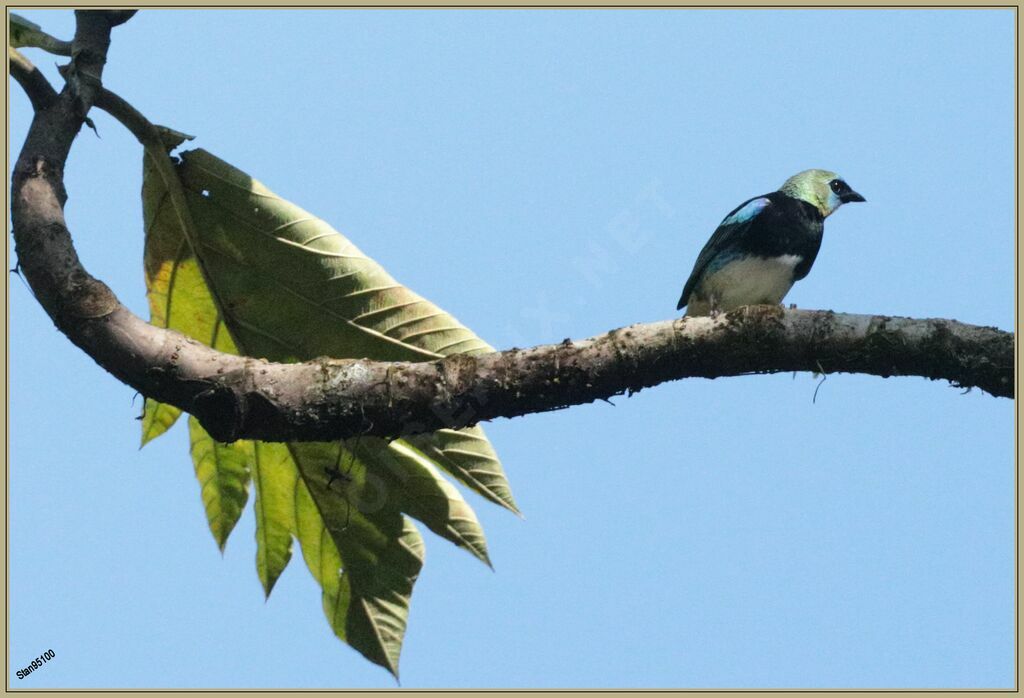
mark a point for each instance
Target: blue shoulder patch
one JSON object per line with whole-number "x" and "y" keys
{"x": 747, "y": 211}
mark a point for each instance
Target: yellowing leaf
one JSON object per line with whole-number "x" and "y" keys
{"x": 275, "y": 478}
{"x": 157, "y": 418}
{"x": 223, "y": 474}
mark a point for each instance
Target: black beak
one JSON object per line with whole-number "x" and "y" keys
{"x": 848, "y": 196}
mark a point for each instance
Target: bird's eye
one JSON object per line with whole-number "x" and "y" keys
{"x": 836, "y": 185}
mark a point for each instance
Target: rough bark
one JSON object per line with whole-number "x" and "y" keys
{"x": 238, "y": 397}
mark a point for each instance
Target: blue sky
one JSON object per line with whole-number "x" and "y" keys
{"x": 542, "y": 175}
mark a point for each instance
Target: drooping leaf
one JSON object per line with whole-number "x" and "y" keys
{"x": 157, "y": 417}
{"x": 275, "y": 480}
{"x": 328, "y": 261}
{"x": 394, "y": 476}
{"x": 223, "y": 474}
{"x": 382, "y": 584}
{"x": 360, "y": 489}
{"x": 349, "y": 518}
{"x": 428, "y": 497}
{"x": 347, "y": 505}
{"x": 322, "y": 558}
{"x": 279, "y": 271}
{"x": 468, "y": 455}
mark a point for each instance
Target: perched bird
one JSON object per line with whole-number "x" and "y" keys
{"x": 765, "y": 245}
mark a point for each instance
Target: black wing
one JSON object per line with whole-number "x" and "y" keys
{"x": 733, "y": 228}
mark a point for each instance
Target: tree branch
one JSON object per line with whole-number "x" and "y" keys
{"x": 50, "y": 44}
{"x": 23, "y": 33}
{"x": 39, "y": 90}
{"x": 325, "y": 399}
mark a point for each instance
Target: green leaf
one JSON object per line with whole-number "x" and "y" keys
{"x": 393, "y": 476}
{"x": 157, "y": 418}
{"x": 275, "y": 477}
{"x": 178, "y": 294}
{"x": 279, "y": 271}
{"x": 288, "y": 288}
{"x": 292, "y": 288}
{"x": 468, "y": 455}
{"x": 425, "y": 495}
{"x": 363, "y": 552}
{"x": 291, "y": 273}
{"x": 223, "y": 473}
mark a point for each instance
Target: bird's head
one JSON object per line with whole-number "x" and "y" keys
{"x": 822, "y": 189}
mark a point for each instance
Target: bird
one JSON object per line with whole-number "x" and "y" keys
{"x": 765, "y": 245}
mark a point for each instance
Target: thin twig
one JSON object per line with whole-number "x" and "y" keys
{"x": 129, "y": 117}
{"x": 824, "y": 376}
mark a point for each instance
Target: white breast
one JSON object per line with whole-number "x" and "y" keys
{"x": 751, "y": 281}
